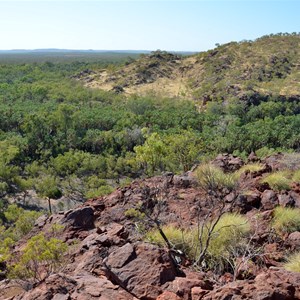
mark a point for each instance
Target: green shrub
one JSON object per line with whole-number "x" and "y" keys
{"x": 134, "y": 213}
{"x": 286, "y": 219}
{"x": 40, "y": 257}
{"x": 278, "y": 181}
{"x": 265, "y": 151}
{"x": 211, "y": 177}
{"x": 293, "y": 263}
{"x": 21, "y": 221}
{"x": 99, "y": 192}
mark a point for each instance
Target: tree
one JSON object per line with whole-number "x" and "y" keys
{"x": 151, "y": 155}
{"x": 183, "y": 149}
{"x": 47, "y": 187}
{"x": 24, "y": 184}
{"x": 40, "y": 257}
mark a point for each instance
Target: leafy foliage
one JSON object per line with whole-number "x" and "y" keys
{"x": 40, "y": 257}
{"x": 55, "y": 130}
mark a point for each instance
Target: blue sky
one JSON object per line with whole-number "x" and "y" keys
{"x": 195, "y": 25}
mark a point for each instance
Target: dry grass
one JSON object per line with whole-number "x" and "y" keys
{"x": 296, "y": 176}
{"x": 286, "y": 219}
{"x": 278, "y": 181}
{"x": 211, "y": 177}
{"x": 179, "y": 238}
{"x": 253, "y": 167}
{"x": 293, "y": 263}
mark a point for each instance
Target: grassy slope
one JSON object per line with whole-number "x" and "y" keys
{"x": 268, "y": 66}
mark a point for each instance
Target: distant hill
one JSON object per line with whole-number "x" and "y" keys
{"x": 67, "y": 55}
{"x": 247, "y": 70}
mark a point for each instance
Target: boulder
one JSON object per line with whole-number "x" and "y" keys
{"x": 296, "y": 197}
{"x": 245, "y": 202}
{"x": 183, "y": 286}
{"x": 269, "y": 199}
{"x": 198, "y": 293}
{"x": 167, "y": 295}
{"x": 293, "y": 240}
{"x": 80, "y": 287}
{"x": 228, "y": 162}
{"x": 141, "y": 269}
{"x": 286, "y": 200}
{"x": 273, "y": 284}
{"x": 80, "y": 218}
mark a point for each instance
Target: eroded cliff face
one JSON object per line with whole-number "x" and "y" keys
{"x": 108, "y": 258}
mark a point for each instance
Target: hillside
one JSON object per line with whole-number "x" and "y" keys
{"x": 110, "y": 196}
{"x": 114, "y": 252}
{"x": 247, "y": 70}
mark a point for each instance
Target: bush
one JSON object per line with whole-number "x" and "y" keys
{"x": 278, "y": 181}
{"x": 99, "y": 192}
{"x": 21, "y": 221}
{"x": 213, "y": 178}
{"x": 134, "y": 214}
{"x": 293, "y": 263}
{"x": 286, "y": 219}
{"x": 265, "y": 151}
{"x": 40, "y": 257}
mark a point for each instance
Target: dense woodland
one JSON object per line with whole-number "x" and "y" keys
{"x": 60, "y": 138}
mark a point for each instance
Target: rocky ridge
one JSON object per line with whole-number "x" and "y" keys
{"x": 108, "y": 259}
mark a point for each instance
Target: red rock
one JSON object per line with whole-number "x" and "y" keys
{"x": 85, "y": 286}
{"x": 183, "y": 286}
{"x": 296, "y": 197}
{"x": 269, "y": 199}
{"x": 286, "y": 200}
{"x": 80, "y": 218}
{"x": 228, "y": 162}
{"x": 293, "y": 240}
{"x": 270, "y": 285}
{"x": 167, "y": 295}
{"x": 272, "y": 255}
{"x": 61, "y": 297}
{"x": 121, "y": 256}
{"x": 197, "y": 293}
{"x": 142, "y": 269}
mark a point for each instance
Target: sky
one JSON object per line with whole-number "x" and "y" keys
{"x": 178, "y": 25}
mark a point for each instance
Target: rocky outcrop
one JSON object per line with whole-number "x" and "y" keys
{"x": 81, "y": 218}
{"x": 142, "y": 269}
{"x": 108, "y": 259}
{"x": 228, "y": 162}
{"x": 269, "y": 285}
{"x": 77, "y": 287}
